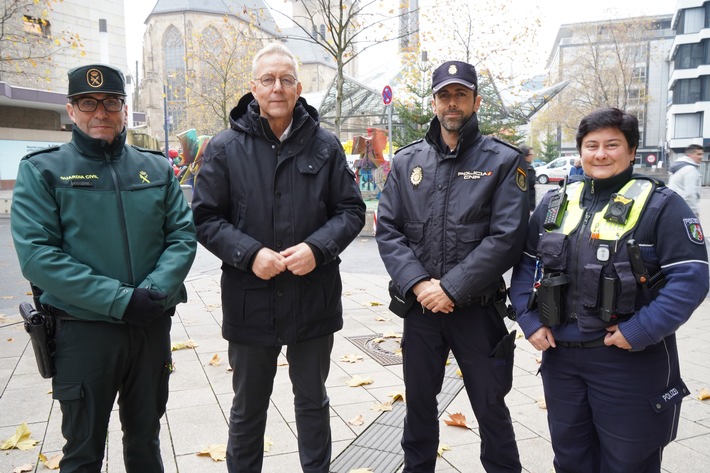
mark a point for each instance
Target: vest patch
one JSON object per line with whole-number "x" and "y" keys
{"x": 694, "y": 230}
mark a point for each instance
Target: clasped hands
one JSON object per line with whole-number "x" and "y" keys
{"x": 298, "y": 259}
{"x": 432, "y": 297}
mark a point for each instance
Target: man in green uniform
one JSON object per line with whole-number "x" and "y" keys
{"x": 103, "y": 230}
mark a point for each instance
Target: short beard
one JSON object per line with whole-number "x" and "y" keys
{"x": 454, "y": 124}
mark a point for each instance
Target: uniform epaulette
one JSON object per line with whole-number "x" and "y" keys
{"x": 410, "y": 144}
{"x": 658, "y": 182}
{"x": 146, "y": 150}
{"x": 40, "y": 151}
{"x": 509, "y": 145}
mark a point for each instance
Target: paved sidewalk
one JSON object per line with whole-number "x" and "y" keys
{"x": 200, "y": 394}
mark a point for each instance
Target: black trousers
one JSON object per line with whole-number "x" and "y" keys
{"x": 254, "y": 368}
{"x": 483, "y": 349}
{"x": 94, "y": 362}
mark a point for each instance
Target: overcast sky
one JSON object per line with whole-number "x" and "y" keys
{"x": 552, "y": 14}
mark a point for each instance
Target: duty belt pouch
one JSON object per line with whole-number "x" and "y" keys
{"x": 550, "y": 297}
{"x": 36, "y": 325}
{"x": 552, "y": 250}
{"x": 399, "y": 305}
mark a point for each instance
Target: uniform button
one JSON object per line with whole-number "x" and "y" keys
{"x": 658, "y": 406}
{"x": 278, "y": 244}
{"x": 436, "y": 261}
{"x": 273, "y": 146}
{"x": 440, "y": 187}
{"x": 310, "y": 166}
{"x": 279, "y": 293}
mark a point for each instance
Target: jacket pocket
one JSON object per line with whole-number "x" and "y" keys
{"x": 75, "y": 426}
{"x": 469, "y": 236}
{"x": 589, "y": 290}
{"x": 414, "y": 231}
{"x": 627, "y": 294}
{"x": 552, "y": 249}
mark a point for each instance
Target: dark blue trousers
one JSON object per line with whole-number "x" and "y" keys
{"x": 483, "y": 349}
{"x": 253, "y": 381}
{"x": 611, "y": 410}
{"x": 94, "y": 362}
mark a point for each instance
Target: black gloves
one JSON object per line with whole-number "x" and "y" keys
{"x": 142, "y": 309}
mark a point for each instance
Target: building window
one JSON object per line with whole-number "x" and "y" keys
{"x": 322, "y": 31}
{"x": 688, "y": 125}
{"x": 692, "y": 21}
{"x": 690, "y": 56}
{"x": 36, "y": 26}
{"x": 174, "y": 50}
{"x": 687, "y": 91}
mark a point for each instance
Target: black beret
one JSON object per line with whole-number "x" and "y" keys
{"x": 98, "y": 78}
{"x": 454, "y": 72}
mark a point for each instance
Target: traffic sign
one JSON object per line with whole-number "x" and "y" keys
{"x": 651, "y": 159}
{"x": 387, "y": 95}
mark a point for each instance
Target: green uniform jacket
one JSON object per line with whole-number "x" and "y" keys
{"x": 91, "y": 221}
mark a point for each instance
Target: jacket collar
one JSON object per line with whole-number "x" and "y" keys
{"x": 469, "y": 134}
{"x": 603, "y": 188}
{"x": 246, "y": 117}
{"x": 99, "y": 148}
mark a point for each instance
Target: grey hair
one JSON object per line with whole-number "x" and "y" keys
{"x": 274, "y": 48}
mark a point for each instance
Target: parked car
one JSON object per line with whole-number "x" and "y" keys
{"x": 555, "y": 170}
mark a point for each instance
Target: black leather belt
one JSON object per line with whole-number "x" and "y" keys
{"x": 591, "y": 344}
{"x": 59, "y": 313}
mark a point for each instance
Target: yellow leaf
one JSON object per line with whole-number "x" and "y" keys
{"x": 183, "y": 345}
{"x": 357, "y": 420}
{"x": 217, "y": 452}
{"x": 267, "y": 443}
{"x": 10, "y": 339}
{"x": 359, "y": 381}
{"x": 541, "y": 402}
{"x": 382, "y": 407}
{"x": 379, "y": 318}
{"x": 457, "y": 420}
{"x": 23, "y": 468}
{"x": 51, "y": 463}
{"x": 442, "y": 448}
{"x": 392, "y": 335}
{"x": 351, "y": 358}
{"x": 7, "y": 297}
{"x": 519, "y": 334}
{"x": 458, "y": 372}
{"x": 397, "y": 396}
{"x": 215, "y": 361}
{"x": 21, "y": 440}
{"x": 374, "y": 304}
{"x": 704, "y": 394}
{"x": 378, "y": 340}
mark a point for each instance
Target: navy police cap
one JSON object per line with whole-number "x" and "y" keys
{"x": 454, "y": 72}
{"x": 97, "y": 78}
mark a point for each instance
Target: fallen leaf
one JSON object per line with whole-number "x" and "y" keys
{"x": 361, "y": 470}
{"x": 457, "y": 420}
{"x": 442, "y": 448}
{"x": 378, "y": 340}
{"x": 397, "y": 396}
{"x": 357, "y": 420}
{"x": 538, "y": 360}
{"x": 541, "y": 402}
{"x": 8, "y": 297}
{"x": 380, "y": 318}
{"x": 359, "y": 381}
{"x": 217, "y": 452}
{"x": 351, "y": 358}
{"x": 382, "y": 407}
{"x": 392, "y": 335}
{"x": 51, "y": 463}
{"x": 448, "y": 362}
{"x": 459, "y": 373}
{"x": 704, "y": 394}
{"x": 398, "y": 352}
{"x": 282, "y": 363}
{"x": 183, "y": 345}
{"x": 21, "y": 440}
{"x": 215, "y": 361}
{"x": 10, "y": 339}
{"x": 519, "y": 334}
{"x": 23, "y": 468}
{"x": 374, "y": 304}
{"x": 267, "y": 443}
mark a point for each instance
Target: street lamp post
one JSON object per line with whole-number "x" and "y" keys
{"x": 165, "y": 111}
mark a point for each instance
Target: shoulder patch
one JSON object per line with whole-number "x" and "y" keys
{"x": 40, "y": 151}
{"x": 521, "y": 179}
{"x": 694, "y": 230}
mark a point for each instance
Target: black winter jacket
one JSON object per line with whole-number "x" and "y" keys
{"x": 254, "y": 191}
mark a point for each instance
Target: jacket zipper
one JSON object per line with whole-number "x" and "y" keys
{"x": 122, "y": 217}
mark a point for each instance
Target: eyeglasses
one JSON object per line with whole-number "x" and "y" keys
{"x": 268, "y": 80}
{"x": 89, "y": 104}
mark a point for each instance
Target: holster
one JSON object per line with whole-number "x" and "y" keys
{"x": 40, "y": 327}
{"x": 550, "y": 297}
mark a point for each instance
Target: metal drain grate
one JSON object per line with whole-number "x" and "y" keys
{"x": 378, "y": 446}
{"x": 382, "y": 352}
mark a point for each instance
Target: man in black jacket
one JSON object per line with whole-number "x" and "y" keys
{"x": 276, "y": 202}
{"x": 451, "y": 220}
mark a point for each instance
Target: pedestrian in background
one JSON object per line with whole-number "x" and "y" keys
{"x": 529, "y": 155}
{"x": 576, "y": 169}
{"x": 102, "y": 228}
{"x": 601, "y": 291}
{"x": 685, "y": 176}
{"x": 277, "y": 203}
{"x": 451, "y": 220}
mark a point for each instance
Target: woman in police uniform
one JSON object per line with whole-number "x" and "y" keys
{"x": 614, "y": 264}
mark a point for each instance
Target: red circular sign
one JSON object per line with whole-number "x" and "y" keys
{"x": 387, "y": 95}
{"x": 651, "y": 158}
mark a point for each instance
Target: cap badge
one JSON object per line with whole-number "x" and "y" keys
{"x": 94, "y": 78}
{"x": 452, "y": 70}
